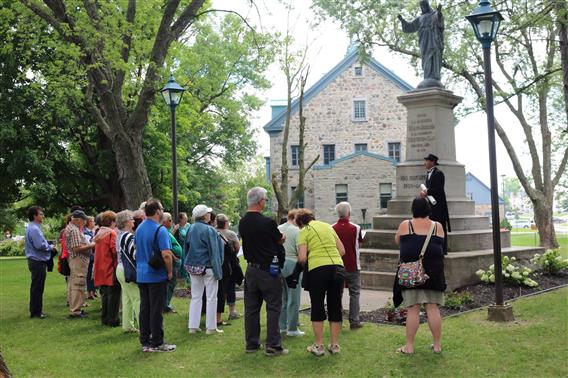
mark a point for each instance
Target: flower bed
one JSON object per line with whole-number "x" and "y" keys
{"x": 481, "y": 295}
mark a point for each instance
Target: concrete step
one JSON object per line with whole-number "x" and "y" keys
{"x": 459, "y": 267}
{"x": 458, "y": 222}
{"x": 377, "y": 280}
{"x": 379, "y": 259}
{"x": 455, "y": 206}
{"x": 458, "y": 241}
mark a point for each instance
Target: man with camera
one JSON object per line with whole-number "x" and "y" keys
{"x": 154, "y": 261}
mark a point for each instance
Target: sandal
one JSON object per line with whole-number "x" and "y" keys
{"x": 402, "y": 350}
{"x": 435, "y": 351}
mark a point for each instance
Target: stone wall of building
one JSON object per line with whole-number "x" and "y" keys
{"x": 363, "y": 175}
{"x": 329, "y": 120}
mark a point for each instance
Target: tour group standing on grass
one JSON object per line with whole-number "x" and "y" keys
{"x": 137, "y": 256}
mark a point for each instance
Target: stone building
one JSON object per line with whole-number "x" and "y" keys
{"x": 357, "y": 127}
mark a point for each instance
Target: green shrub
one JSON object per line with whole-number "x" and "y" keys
{"x": 550, "y": 262}
{"x": 456, "y": 300}
{"x": 512, "y": 272}
{"x": 12, "y": 248}
{"x": 506, "y": 224}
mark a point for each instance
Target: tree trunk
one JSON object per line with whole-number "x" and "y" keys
{"x": 132, "y": 174}
{"x": 562, "y": 20}
{"x": 4, "y": 372}
{"x": 543, "y": 220}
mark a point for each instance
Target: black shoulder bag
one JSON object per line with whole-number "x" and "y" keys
{"x": 156, "y": 261}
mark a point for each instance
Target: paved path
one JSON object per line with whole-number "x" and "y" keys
{"x": 369, "y": 300}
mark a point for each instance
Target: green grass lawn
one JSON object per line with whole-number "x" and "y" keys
{"x": 536, "y": 345}
{"x": 531, "y": 239}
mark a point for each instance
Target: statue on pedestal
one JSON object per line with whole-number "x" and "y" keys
{"x": 430, "y": 28}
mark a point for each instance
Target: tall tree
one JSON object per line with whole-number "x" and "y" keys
{"x": 293, "y": 65}
{"x": 527, "y": 80}
{"x": 112, "y": 41}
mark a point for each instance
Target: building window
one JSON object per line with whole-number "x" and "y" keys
{"x": 341, "y": 193}
{"x": 358, "y": 71}
{"x": 360, "y": 147}
{"x": 385, "y": 194}
{"x": 328, "y": 153}
{"x": 300, "y": 203}
{"x": 295, "y": 155}
{"x": 394, "y": 151}
{"x": 359, "y": 110}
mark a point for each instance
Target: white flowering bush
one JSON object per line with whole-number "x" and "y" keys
{"x": 512, "y": 272}
{"x": 550, "y": 262}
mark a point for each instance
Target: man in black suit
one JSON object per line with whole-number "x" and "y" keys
{"x": 435, "y": 182}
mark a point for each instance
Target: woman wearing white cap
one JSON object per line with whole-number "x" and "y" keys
{"x": 204, "y": 257}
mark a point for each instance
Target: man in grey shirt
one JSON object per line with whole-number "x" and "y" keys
{"x": 290, "y": 297}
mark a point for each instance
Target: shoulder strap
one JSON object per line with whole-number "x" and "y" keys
{"x": 427, "y": 241}
{"x": 410, "y": 228}
{"x": 156, "y": 235}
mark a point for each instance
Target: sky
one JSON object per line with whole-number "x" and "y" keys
{"x": 328, "y": 45}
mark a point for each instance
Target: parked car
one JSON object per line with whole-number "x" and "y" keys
{"x": 521, "y": 223}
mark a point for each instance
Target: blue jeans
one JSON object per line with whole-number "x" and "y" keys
{"x": 289, "y": 315}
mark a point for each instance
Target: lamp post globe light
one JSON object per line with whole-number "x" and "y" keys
{"x": 172, "y": 94}
{"x": 485, "y": 22}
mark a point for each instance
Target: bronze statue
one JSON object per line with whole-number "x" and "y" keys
{"x": 430, "y": 28}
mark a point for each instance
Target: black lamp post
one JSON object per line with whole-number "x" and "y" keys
{"x": 485, "y": 22}
{"x": 172, "y": 94}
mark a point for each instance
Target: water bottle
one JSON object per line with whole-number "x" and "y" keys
{"x": 274, "y": 267}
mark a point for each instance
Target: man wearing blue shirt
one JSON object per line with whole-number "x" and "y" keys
{"x": 38, "y": 253}
{"x": 153, "y": 283}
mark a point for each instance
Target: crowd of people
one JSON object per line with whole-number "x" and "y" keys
{"x": 133, "y": 260}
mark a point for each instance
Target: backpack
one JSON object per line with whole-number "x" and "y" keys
{"x": 128, "y": 256}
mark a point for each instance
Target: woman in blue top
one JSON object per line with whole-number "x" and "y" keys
{"x": 204, "y": 257}
{"x": 411, "y": 236}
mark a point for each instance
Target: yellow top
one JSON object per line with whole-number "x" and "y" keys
{"x": 320, "y": 238}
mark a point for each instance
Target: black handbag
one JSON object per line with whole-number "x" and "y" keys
{"x": 156, "y": 261}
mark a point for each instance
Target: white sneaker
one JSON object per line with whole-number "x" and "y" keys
{"x": 194, "y": 330}
{"x": 295, "y": 333}
{"x": 214, "y": 331}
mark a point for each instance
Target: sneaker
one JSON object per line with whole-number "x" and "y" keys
{"x": 275, "y": 351}
{"x": 234, "y": 315}
{"x": 295, "y": 333}
{"x": 148, "y": 349}
{"x": 334, "y": 348}
{"x": 194, "y": 330}
{"x": 253, "y": 349}
{"x": 166, "y": 348}
{"x": 80, "y": 315}
{"x": 214, "y": 331}
{"x": 356, "y": 325}
{"x": 316, "y": 350}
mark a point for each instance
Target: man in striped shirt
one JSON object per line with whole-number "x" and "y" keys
{"x": 350, "y": 235}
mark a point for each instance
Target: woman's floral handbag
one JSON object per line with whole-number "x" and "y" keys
{"x": 195, "y": 270}
{"x": 412, "y": 274}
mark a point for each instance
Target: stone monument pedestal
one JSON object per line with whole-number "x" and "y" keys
{"x": 430, "y": 129}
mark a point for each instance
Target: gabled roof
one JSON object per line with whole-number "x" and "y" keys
{"x": 482, "y": 184}
{"x": 354, "y": 155}
{"x": 276, "y": 123}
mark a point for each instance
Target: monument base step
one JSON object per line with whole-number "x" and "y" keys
{"x": 458, "y": 222}
{"x": 459, "y": 267}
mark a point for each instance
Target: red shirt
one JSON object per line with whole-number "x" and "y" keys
{"x": 106, "y": 259}
{"x": 350, "y": 235}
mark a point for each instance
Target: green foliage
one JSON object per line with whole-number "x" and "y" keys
{"x": 550, "y": 262}
{"x": 457, "y": 299}
{"x": 12, "y": 248}
{"x": 53, "y": 151}
{"x": 505, "y": 224}
{"x": 512, "y": 272}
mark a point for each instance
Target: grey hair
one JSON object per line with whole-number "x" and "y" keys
{"x": 166, "y": 217}
{"x": 123, "y": 217}
{"x": 255, "y": 195}
{"x": 343, "y": 209}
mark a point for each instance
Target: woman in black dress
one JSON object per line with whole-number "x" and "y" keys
{"x": 411, "y": 236}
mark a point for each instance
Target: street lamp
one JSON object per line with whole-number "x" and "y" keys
{"x": 172, "y": 94}
{"x": 485, "y": 22}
